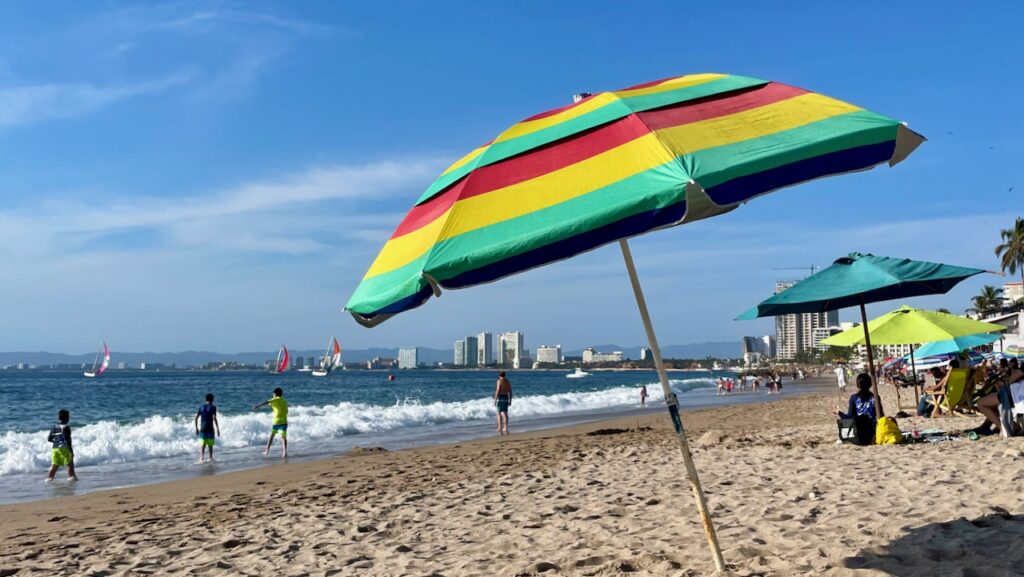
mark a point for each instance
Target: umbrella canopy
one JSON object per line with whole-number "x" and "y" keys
{"x": 862, "y": 278}
{"x": 907, "y": 325}
{"x": 612, "y": 166}
{"x": 615, "y": 165}
{"x": 1013, "y": 352}
{"x": 954, "y": 345}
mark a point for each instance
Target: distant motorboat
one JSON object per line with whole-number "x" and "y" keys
{"x": 305, "y": 370}
{"x": 282, "y": 361}
{"x": 97, "y": 367}
{"x": 577, "y": 374}
{"x": 331, "y": 359}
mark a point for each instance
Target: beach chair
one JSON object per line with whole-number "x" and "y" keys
{"x": 953, "y": 394}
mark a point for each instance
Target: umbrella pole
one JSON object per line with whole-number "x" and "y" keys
{"x": 673, "y": 410}
{"x": 879, "y": 413}
{"x": 913, "y": 372}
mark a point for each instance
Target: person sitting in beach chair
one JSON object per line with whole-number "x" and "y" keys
{"x": 858, "y": 423}
{"x": 999, "y": 407}
{"x": 949, "y": 393}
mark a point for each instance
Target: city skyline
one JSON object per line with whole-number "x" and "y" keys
{"x": 220, "y": 186}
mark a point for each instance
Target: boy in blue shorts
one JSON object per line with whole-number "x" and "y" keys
{"x": 63, "y": 454}
{"x": 207, "y": 417}
{"x": 280, "y": 422}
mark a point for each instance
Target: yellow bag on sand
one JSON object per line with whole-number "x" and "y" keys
{"x": 887, "y": 432}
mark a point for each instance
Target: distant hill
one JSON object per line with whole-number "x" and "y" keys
{"x": 427, "y": 355}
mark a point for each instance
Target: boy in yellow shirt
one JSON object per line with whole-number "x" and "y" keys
{"x": 280, "y": 423}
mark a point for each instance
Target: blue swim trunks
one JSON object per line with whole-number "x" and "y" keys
{"x": 503, "y": 403}
{"x": 283, "y": 429}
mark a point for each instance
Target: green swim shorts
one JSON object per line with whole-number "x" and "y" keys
{"x": 62, "y": 457}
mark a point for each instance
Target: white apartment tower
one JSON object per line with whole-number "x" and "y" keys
{"x": 546, "y": 354}
{"x": 510, "y": 349}
{"x": 409, "y": 358}
{"x": 795, "y": 333}
{"x": 485, "y": 349}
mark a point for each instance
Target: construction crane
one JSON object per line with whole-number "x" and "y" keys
{"x": 811, "y": 268}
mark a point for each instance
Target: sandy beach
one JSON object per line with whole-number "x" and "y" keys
{"x": 601, "y": 499}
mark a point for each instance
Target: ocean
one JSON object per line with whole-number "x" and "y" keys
{"x": 135, "y": 427}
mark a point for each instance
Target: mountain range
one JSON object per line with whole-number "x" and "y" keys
{"x": 427, "y": 355}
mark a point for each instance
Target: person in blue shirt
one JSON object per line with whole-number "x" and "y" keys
{"x": 63, "y": 454}
{"x": 861, "y": 408}
{"x": 862, "y": 403}
{"x": 206, "y": 421}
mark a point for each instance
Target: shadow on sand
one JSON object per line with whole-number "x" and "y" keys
{"x": 989, "y": 546}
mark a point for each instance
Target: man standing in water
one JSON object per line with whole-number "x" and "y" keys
{"x": 502, "y": 399}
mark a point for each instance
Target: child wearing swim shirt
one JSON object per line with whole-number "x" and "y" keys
{"x": 207, "y": 417}
{"x": 63, "y": 455}
{"x": 280, "y": 422}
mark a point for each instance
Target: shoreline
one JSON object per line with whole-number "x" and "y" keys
{"x": 603, "y": 498}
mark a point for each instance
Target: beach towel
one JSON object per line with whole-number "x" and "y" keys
{"x": 1017, "y": 393}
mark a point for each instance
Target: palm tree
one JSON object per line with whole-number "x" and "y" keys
{"x": 1011, "y": 250}
{"x": 990, "y": 299}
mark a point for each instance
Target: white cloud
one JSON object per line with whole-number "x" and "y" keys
{"x": 30, "y": 103}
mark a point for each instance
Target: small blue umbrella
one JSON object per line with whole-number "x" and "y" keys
{"x": 953, "y": 345}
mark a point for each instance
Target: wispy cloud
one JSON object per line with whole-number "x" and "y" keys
{"x": 238, "y": 218}
{"x": 31, "y": 103}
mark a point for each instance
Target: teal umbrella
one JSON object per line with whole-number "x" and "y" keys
{"x": 953, "y": 345}
{"x": 857, "y": 279}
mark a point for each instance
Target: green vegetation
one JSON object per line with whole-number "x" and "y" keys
{"x": 1011, "y": 250}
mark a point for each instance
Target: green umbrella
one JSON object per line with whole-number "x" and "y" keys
{"x": 857, "y": 279}
{"x": 907, "y": 325}
{"x": 611, "y": 166}
{"x": 910, "y": 326}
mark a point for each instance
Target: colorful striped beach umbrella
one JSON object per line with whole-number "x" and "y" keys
{"x": 615, "y": 165}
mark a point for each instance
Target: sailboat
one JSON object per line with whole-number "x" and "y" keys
{"x": 331, "y": 359}
{"x": 282, "y": 361}
{"x": 97, "y": 367}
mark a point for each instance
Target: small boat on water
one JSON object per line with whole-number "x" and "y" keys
{"x": 97, "y": 367}
{"x": 331, "y": 359}
{"x": 282, "y": 361}
{"x": 577, "y": 374}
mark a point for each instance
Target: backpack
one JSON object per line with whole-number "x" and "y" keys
{"x": 888, "y": 432}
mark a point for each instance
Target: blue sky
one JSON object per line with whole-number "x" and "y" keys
{"x": 220, "y": 175}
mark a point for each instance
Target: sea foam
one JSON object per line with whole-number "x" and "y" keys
{"x": 161, "y": 436}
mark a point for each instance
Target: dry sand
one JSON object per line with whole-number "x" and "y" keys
{"x": 786, "y": 501}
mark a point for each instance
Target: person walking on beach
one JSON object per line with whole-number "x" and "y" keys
{"x": 280, "y": 422}
{"x": 207, "y": 416}
{"x": 643, "y": 395}
{"x": 63, "y": 454}
{"x": 841, "y": 377}
{"x": 502, "y": 400}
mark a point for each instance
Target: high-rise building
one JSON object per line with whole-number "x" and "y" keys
{"x": 794, "y": 333}
{"x": 298, "y": 361}
{"x": 460, "y": 353}
{"x": 546, "y": 354}
{"x": 645, "y": 354}
{"x": 472, "y": 354}
{"x": 409, "y": 358}
{"x": 510, "y": 349}
{"x": 485, "y": 349}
